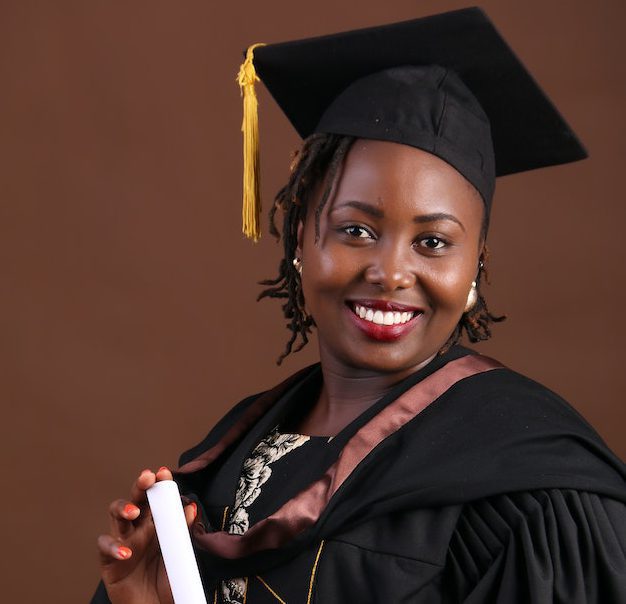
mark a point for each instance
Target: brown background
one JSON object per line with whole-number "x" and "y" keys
{"x": 127, "y": 294}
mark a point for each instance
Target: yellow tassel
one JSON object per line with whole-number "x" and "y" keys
{"x": 251, "y": 211}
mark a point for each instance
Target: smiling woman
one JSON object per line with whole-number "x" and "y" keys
{"x": 402, "y": 467}
{"x": 402, "y": 232}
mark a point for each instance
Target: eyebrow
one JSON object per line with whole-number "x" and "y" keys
{"x": 365, "y": 207}
{"x": 437, "y": 216}
{"x": 372, "y": 210}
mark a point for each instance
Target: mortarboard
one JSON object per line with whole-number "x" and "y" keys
{"x": 448, "y": 84}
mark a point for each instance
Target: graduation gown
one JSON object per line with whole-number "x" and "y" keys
{"x": 467, "y": 482}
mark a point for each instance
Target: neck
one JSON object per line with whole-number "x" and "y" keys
{"x": 346, "y": 393}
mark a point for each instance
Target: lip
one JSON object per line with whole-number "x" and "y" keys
{"x": 383, "y": 333}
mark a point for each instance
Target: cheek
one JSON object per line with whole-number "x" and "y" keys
{"x": 326, "y": 267}
{"x": 327, "y": 271}
{"x": 330, "y": 264}
{"x": 448, "y": 289}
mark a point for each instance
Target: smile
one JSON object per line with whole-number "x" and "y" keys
{"x": 384, "y": 321}
{"x": 382, "y": 318}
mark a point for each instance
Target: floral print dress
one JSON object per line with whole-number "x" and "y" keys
{"x": 257, "y": 472}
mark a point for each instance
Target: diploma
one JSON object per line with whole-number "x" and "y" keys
{"x": 173, "y": 534}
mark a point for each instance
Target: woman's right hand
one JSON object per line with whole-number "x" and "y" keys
{"x": 130, "y": 560}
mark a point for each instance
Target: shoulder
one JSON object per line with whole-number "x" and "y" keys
{"x": 509, "y": 395}
{"x": 540, "y": 546}
{"x": 247, "y": 410}
{"x": 222, "y": 426}
{"x": 502, "y": 384}
{"x": 509, "y": 385}
{"x": 504, "y": 432}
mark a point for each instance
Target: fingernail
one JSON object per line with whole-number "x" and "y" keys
{"x": 130, "y": 509}
{"x": 146, "y": 471}
{"x": 124, "y": 552}
{"x": 163, "y": 468}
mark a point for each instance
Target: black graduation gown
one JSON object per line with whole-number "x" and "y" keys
{"x": 496, "y": 491}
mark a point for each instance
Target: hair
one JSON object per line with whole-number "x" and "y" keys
{"x": 318, "y": 162}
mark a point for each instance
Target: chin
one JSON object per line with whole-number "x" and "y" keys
{"x": 389, "y": 361}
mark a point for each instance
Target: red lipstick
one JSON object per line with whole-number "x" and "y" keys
{"x": 378, "y": 331}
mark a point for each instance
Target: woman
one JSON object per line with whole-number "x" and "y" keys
{"x": 403, "y": 467}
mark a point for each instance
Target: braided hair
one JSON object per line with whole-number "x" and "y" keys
{"x": 319, "y": 160}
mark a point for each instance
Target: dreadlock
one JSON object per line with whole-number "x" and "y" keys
{"x": 319, "y": 160}
{"x": 476, "y": 322}
{"x": 321, "y": 156}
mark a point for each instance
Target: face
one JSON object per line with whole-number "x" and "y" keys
{"x": 399, "y": 246}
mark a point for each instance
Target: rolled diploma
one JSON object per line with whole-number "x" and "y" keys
{"x": 173, "y": 534}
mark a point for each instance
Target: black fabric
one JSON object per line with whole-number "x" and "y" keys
{"x": 498, "y": 492}
{"x": 539, "y": 547}
{"x": 308, "y": 77}
{"x": 492, "y": 433}
{"x": 218, "y": 483}
{"x": 425, "y": 107}
{"x": 542, "y": 546}
{"x": 293, "y": 468}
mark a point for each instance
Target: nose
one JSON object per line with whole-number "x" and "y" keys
{"x": 391, "y": 268}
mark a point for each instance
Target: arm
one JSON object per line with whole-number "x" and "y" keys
{"x": 561, "y": 546}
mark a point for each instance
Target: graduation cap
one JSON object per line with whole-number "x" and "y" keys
{"x": 447, "y": 84}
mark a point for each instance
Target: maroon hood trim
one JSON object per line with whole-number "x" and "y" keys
{"x": 245, "y": 422}
{"x": 303, "y": 511}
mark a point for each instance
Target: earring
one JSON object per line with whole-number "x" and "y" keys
{"x": 472, "y": 298}
{"x": 297, "y": 263}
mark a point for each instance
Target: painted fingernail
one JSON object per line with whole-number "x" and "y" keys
{"x": 163, "y": 468}
{"x": 130, "y": 509}
{"x": 124, "y": 552}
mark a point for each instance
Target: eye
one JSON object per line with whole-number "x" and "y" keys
{"x": 432, "y": 243}
{"x": 358, "y": 232}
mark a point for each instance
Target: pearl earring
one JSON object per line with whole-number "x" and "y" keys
{"x": 472, "y": 298}
{"x": 297, "y": 263}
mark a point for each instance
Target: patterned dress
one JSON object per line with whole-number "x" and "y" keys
{"x": 258, "y": 475}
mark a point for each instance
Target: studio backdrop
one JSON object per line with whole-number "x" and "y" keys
{"x": 127, "y": 292}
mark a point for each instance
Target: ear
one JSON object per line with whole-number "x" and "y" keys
{"x": 482, "y": 259}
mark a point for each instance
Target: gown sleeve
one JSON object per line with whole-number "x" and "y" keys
{"x": 101, "y": 596}
{"x": 561, "y": 546}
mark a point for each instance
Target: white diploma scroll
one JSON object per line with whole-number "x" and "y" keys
{"x": 173, "y": 534}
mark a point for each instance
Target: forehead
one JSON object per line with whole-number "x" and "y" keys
{"x": 400, "y": 177}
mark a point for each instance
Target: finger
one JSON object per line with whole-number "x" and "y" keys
{"x": 138, "y": 491}
{"x": 123, "y": 513}
{"x": 191, "y": 512}
{"x": 112, "y": 549}
{"x": 163, "y": 473}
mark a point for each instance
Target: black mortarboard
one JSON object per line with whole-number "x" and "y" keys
{"x": 448, "y": 84}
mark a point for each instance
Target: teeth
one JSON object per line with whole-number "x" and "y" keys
{"x": 382, "y": 318}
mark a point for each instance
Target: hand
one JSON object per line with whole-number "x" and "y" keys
{"x": 130, "y": 559}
